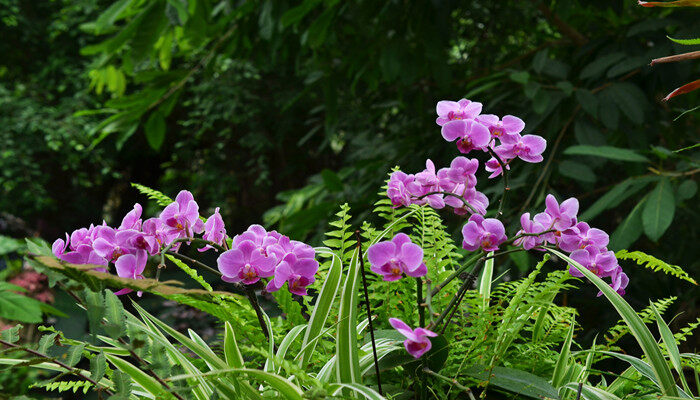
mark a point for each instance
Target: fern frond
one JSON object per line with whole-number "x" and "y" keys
{"x": 63, "y": 386}
{"x": 153, "y": 194}
{"x": 340, "y": 233}
{"x": 655, "y": 264}
{"x": 191, "y": 272}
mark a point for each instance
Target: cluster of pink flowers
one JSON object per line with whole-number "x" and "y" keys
{"x": 254, "y": 254}
{"x": 558, "y": 225}
{"x": 429, "y": 187}
{"x": 462, "y": 121}
{"x": 129, "y": 245}
{"x": 257, "y": 254}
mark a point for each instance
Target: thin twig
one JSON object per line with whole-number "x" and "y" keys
{"x": 67, "y": 367}
{"x": 195, "y": 262}
{"x": 369, "y": 311}
{"x": 451, "y": 381}
{"x": 455, "y": 274}
{"x": 468, "y": 282}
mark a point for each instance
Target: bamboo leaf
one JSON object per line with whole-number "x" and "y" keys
{"x": 232, "y": 353}
{"x": 610, "y": 152}
{"x": 485, "y": 282}
{"x": 323, "y": 305}
{"x": 144, "y": 380}
{"x": 670, "y": 341}
{"x": 347, "y": 366}
{"x": 563, "y": 360}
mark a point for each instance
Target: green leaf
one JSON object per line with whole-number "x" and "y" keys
{"x": 148, "y": 31}
{"x": 114, "y": 316}
{"x": 671, "y": 347}
{"x": 180, "y": 7}
{"x": 231, "y": 352}
{"x": 630, "y": 99}
{"x": 629, "y": 230}
{"x": 74, "y": 354}
{"x": 588, "y": 101}
{"x": 637, "y": 328}
{"x": 282, "y": 385}
{"x": 659, "y": 210}
{"x": 110, "y": 15}
{"x": 599, "y": 65}
{"x": 46, "y": 342}
{"x": 540, "y": 60}
{"x": 563, "y": 359}
{"x": 147, "y": 382}
{"x": 347, "y": 362}
{"x": 365, "y": 391}
{"x": 296, "y": 14}
{"x": 613, "y": 197}
{"x": 566, "y": 87}
{"x": 578, "y": 171}
{"x": 609, "y": 113}
{"x": 610, "y": 152}
{"x": 322, "y": 308}
{"x": 332, "y": 180}
{"x": 98, "y": 365}
{"x": 319, "y": 28}
{"x": 687, "y": 42}
{"x": 521, "y": 77}
{"x": 122, "y": 384}
{"x": 687, "y": 190}
{"x": 18, "y": 307}
{"x": 592, "y": 393}
{"x": 516, "y": 381}
{"x": 155, "y": 130}
{"x": 11, "y": 335}
{"x": 485, "y": 282}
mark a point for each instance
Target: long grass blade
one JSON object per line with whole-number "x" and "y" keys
{"x": 637, "y": 328}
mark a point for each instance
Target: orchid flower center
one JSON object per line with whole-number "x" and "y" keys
{"x": 249, "y": 272}
{"x": 395, "y": 266}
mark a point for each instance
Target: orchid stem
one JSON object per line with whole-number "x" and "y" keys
{"x": 194, "y": 262}
{"x": 455, "y": 274}
{"x": 468, "y": 282}
{"x": 360, "y": 257}
{"x": 252, "y": 297}
{"x": 466, "y": 203}
{"x": 506, "y": 187}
